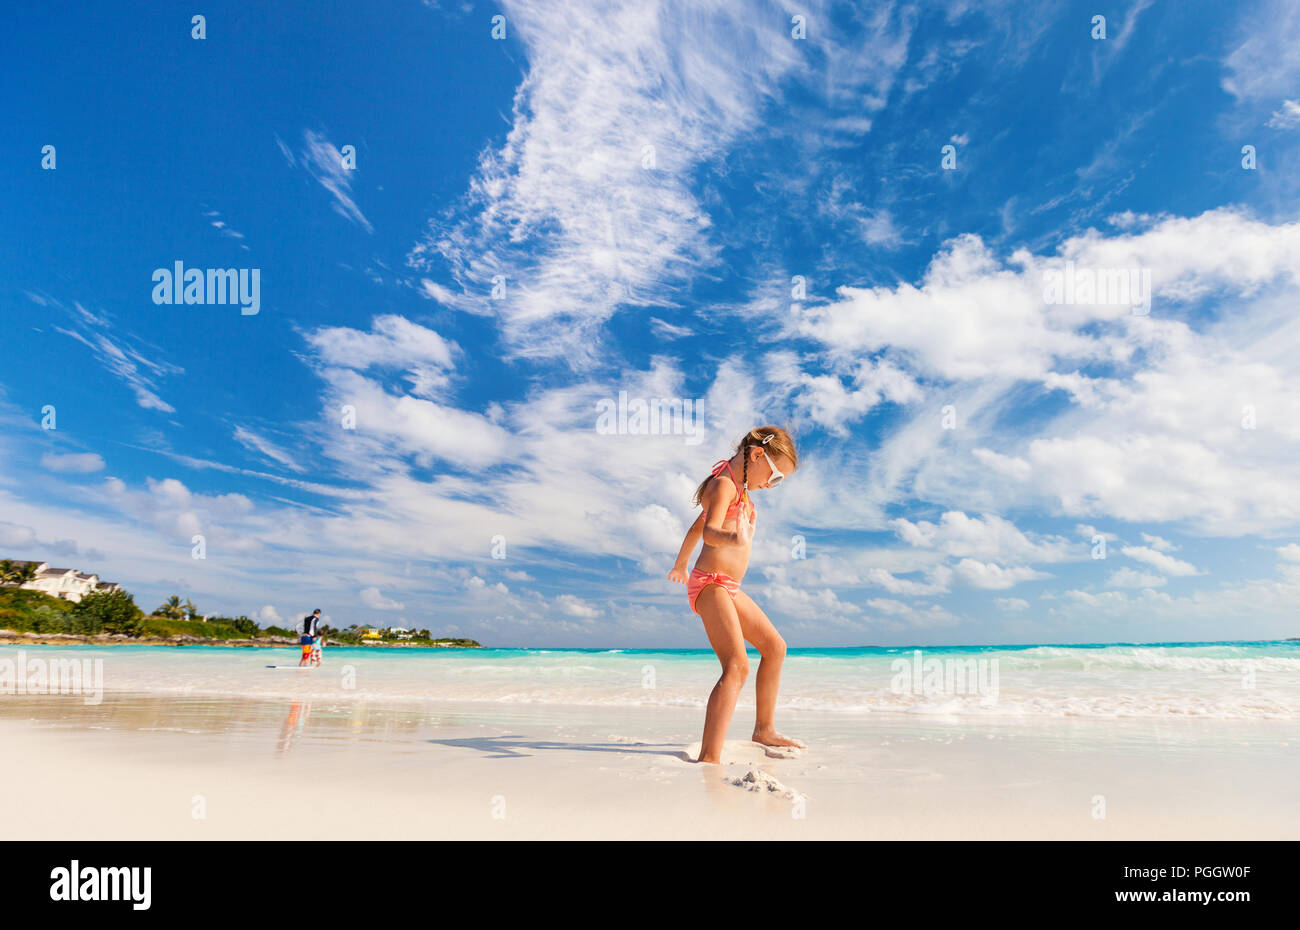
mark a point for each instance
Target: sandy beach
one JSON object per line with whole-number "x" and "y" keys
{"x": 142, "y": 766}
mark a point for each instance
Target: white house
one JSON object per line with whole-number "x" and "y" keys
{"x": 67, "y": 583}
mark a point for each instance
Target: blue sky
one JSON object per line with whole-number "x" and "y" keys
{"x": 680, "y": 205}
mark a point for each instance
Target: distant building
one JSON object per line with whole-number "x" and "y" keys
{"x": 67, "y": 583}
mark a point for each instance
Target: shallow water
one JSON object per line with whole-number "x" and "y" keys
{"x": 1227, "y": 681}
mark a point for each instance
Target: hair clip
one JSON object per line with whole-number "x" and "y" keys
{"x": 767, "y": 438}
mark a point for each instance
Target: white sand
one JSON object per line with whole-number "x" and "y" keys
{"x": 142, "y": 767}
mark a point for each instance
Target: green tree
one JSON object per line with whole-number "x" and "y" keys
{"x": 171, "y": 608}
{"x": 244, "y": 625}
{"x": 113, "y": 611}
{"x": 13, "y": 573}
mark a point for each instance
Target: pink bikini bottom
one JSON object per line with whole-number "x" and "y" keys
{"x": 700, "y": 580}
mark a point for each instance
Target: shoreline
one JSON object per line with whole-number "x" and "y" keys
{"x": 15, "y": 638}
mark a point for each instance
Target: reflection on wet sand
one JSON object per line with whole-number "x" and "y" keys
{"x": 233, "y": 720}
{"x": 299, "y": 711}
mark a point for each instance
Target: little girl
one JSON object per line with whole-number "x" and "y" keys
{"x": 765, "y": 456}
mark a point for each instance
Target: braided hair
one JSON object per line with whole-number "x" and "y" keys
{"x": 776, "y": 439}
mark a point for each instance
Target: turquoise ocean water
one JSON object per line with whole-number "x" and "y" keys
{"x": 1230, "y": 680}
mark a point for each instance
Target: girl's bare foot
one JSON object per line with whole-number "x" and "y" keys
{"x": 772, "y": 738}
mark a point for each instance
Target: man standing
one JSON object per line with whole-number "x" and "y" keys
{"x": 308, "y": 628}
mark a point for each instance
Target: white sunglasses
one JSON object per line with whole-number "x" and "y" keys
{"x": 777, "y": 477}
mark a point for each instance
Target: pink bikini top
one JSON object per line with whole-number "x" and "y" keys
{"x": 742, "y": 498}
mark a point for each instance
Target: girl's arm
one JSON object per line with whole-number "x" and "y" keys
{"x": 717, "y": 498}
{"x": 692, "y": 539}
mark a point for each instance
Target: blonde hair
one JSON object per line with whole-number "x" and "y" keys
{"x": 777, "y": 442}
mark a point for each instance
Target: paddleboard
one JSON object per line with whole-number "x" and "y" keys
{"x": 301, "y": 668}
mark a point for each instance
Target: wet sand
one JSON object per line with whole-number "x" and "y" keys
{"x": 142, "y": 766}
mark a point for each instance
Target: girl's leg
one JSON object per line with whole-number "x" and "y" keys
{"x": 756, "y": 628}
{"x": 723, "y": 628}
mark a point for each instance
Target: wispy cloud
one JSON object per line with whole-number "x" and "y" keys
{"x": 1287, "y": 116}
{"x": 1264, "y": 63}
{"x": 219, "y": 223}
{"x": 324, "y": 162}
{"x": 590, "y": 206}
{"x": 121, "y": 355}
{"x": 73, "y": 462}
{"x": 259, "y": 444}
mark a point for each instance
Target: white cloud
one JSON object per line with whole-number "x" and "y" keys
{"x": 804, "y": 604}
{"x": 1259, "y": 608}
{"x": 265, "y": 447}
{"x": 1106, "y": 600}
{"x": 969, "y": 319}
{"x": 938, "y": 580}
{"x": 993, "y": 577}
{"x": 436, "y": 292}
{"x": 1128, "y": 578}
{"x": 1159, "y": 544}
{"x": 576, "y": 607}
{"x": 831, "y": 403}
{"x": 1160, "y": 561}
{"x": 121, "y": 356}
{"x": 1009, "y": 465}
{"x": 1287, "y": 116}
{"x": 1154, "y": 431}
{"x": 324, "y": 162}
{"x": 269, "y": 616}
{"x": 985, "y": 537}
{"x": 13, "y": 536}
{"x": 393, "y": 342}
{"x": 22, "y": 542}
{"x": 1265, "y": 62}
{"x": 589, "y": 207}
{"x": 668, "y": 330}
{"x": 77, "y": 462}
{"x": 224, "y": 228}
{"x": 875, "y": 227}
{"x": 974, "y": 317}
{"x": 374, "y": 599}
{"x": 228, "y": 522}
{"x": 912, "y": 615}
{"x": 427, "y": 431}
{"x": 1011, "y": 604}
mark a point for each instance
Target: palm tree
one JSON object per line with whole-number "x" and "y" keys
{"x": 191, "y": 612}
{"x": 25, "y": 573}
{"x": 171, "y": 608}
{"x": 6, "y": 571}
